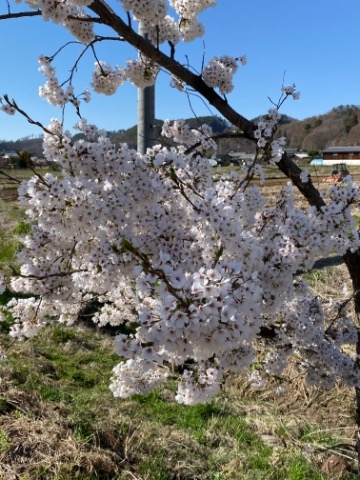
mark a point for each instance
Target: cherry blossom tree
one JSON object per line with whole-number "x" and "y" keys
{"x": 198, "y": 264}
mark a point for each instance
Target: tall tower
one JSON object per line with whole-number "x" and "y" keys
{"x": 145, "y": 115}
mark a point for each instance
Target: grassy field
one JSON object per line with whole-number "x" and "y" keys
{"x": 59, "y": 421}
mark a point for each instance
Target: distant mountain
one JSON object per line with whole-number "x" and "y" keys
{"x": 27, "y": 144}
{"x": 129, "y": 136}
{"x": 340, "y": 126}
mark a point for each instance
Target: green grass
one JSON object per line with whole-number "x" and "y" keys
{"x": 68, "y": 369}
{"x": 12, "y": 226}
{"x": 5, "y": 444}
{"x": 72, "y": 362}
{"x": 317, "y": 435}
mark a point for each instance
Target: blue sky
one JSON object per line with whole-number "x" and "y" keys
{"x": 314, "y": 43}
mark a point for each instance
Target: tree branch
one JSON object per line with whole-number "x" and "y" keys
{"x": 287, "y": 166}
{"x": 111, "y": 19}
{"x": 10, "y": 16}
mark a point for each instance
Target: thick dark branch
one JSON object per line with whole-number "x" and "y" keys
{"x": 110, "y": 18}
{"x": 308, "y": 190}
{"x": 287, "y": 166}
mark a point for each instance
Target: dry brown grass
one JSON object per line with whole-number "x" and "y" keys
{"x": 41, "y": 440}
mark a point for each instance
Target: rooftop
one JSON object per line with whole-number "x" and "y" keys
{"x": 352, "y": 149}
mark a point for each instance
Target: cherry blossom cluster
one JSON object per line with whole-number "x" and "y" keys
{"x": 264, "y": 133}
{"x": 162, "y": 27}
{"x": 153, "y": 14}
{"x": 61, "y": 12}
{"x": 9, "y": 109}
{"x": 151, "y": 11}
{"x": 200, "y": 265}
{"x": 105, "y": 79}
{"x": 181, "y": 133}
{"x": 52, "y": 90}
{"x": 156, "y": 23}
{"x": 165, "y": 30}
{"x": 191, "y": 8}
{"x": 219, "y": 72}
{"x": 141, "y": 73}
{"x": 291, "y": 91}
{"x": 190, "y": 30}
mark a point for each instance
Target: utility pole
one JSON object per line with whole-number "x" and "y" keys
{"x": 145, "y": 115}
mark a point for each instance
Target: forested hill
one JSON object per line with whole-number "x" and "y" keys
{"x": 28, "y": 144}
{"x": 340, "y": 126}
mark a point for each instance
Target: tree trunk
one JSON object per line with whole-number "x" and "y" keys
{"x": 352, "y": 261}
